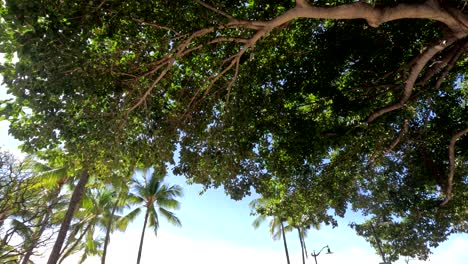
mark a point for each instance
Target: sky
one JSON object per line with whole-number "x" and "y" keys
{"x": 216, "y": 229}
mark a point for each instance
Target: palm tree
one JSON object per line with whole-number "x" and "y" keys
{"x": 155, "y": 197}
{"x": 302, "y": 232}
{"x": 302, "y": 225}
{"x": 277, "y": 227}
{"x": 120, "y": 186}
{"x": 75, "y": 199}
{"x": 96, "y": 208}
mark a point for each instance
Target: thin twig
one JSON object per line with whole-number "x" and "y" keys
{"x": 233, "y": 80}
{"x": 153, "y": 85}
{"x": 155, "y": 25}
{"x": 231, "y": 18}
{"x": 403, "y": 132}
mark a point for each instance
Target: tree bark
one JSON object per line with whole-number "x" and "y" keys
{"x": 454, "y": 19}
{"x": 449, "y": 186}
{"x": 108, "y": 229}
{"x": 67, "y": 253}
{"x": 302, "y": 244}
{"x": 143, "y": 236}
{"x": 285, "y": 243}
{"x": 74, "y": 201}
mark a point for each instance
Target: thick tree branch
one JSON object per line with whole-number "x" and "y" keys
{"x": 301, "y": 3}
{"x": 438, "y": 65}
{"x": 416, "y": 69}
{"x": 454, "y": 19}
{"x": 375, "y": 16}
{"x": 450, "y": 65}
{"x": 451, "y": 150}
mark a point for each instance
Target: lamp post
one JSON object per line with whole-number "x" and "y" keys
{"x": 315, "y": 255}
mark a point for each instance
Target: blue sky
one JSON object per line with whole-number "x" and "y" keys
{"x": 217, "y": 229}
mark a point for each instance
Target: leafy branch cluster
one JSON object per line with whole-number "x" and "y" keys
{"x": 328, "y": 105}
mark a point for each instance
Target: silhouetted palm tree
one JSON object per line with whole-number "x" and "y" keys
{"x": 156, "y": 198}
{"x": 94, "y": 212}
{"x": 277, "y": 227}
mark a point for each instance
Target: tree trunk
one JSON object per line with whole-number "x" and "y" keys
{"x": 284, "y": 242}
{"x": 108, "y": 229}
{"x": 74, "y": 201}
{"x": 64, "y": 254}
{"x": 142, "y": 236}
{"x": 302, "y": 244}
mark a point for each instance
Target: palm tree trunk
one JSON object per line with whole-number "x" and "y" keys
{"x": 74, "y": 201}
{"x": 64, "y": 254}
{"x": 142, "y": 236}
{"x": 302, "y": 244}
{"x": 284, "y": 242}
{"x": 108, "y": 229}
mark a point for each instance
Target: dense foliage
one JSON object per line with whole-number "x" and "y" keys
{"x": 320, "y": 107}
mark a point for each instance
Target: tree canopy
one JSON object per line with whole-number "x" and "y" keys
{"x": 323, "y": 106}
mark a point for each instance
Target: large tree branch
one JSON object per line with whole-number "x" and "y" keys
{"x": 454, "y": 19}
{"x": 375, "y": 16}
{"x": 438, "y": 65}
{"x": 450, "y": 65}
{"x": 451, "y": 150}
{"x": 416, "y": 69}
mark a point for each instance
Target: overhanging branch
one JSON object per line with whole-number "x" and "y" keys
{"x": 415, "y": 70}
{"x": 451, "y": 150}
{"x": 455, "y": 20}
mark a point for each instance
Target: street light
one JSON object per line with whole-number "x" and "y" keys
{"x": 315, "y": 255}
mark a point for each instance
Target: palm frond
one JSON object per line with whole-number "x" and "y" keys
{"x": 164, "y": 202}
{"x": 170, "y": 217}
{"x": 153, "y": 219}
{"x": 258, "y": 221}
{"x": 123, "y": 222}
{"x": 21, "y": 229}
{"x": 275, "y": 228}
{"x": 132, "y": 200}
